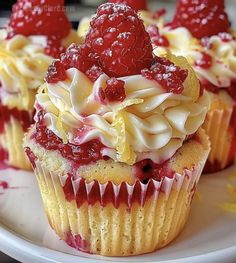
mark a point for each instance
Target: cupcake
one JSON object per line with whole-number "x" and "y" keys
{"x": 117, "y": 147}
{"x": 27, "y": 48}
{"x": 209, "y": 45}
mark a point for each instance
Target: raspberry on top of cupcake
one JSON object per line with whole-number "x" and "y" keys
{"x": 200, "y": 31}
{"x": 111, "y": 91}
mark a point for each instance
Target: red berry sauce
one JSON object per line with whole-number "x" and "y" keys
{"x": 77, "y": 242}
{"x": 24, "y": 117}
{"x": 147, "y": 169}
{"x": 167, "y": 74}
{"x": 205, "y": 61}
{"x": 31, "y": 156}
{"x": 78, "y": 154}
{"x": 4, "y": 185}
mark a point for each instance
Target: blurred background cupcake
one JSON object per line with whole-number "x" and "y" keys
{"x": 117, "y": 147}
{"x": 32, "y": 38}
{"x": 201, "y": 32}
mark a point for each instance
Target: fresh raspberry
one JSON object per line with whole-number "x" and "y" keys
{"x": 202, "y": 17}
{"x": 134, "y": 4}
{"x": 56, "y": 72}
{"x": 169, "y": 76}
{"x": 118, "y": 38}
{"x": 115, "y": 90}
{"x": 157, "y": 39}
{"x": 79, "y": 57}
{"x": 39, "y": 17}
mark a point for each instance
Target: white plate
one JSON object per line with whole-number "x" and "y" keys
{"x": 210, "y": 235}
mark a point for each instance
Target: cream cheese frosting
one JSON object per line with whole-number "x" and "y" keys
{"x": 149, "y": 123}
{"x": 223, "y": 54}
{"x": 23, "y": 66}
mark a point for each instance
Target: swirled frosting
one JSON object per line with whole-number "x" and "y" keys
{"x": 23, "y": 66}
{"x": 223, "y": 54}
{"x": 149, "y": 123}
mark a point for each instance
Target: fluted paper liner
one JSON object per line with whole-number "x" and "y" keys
{"x": 117, "y": 220}
{"x": 220, "y": 126}
{"x": 11, "y": 139}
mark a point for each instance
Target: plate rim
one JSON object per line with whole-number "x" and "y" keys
{"x": 24, "y": 250}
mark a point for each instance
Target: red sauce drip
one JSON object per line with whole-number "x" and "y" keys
{"x": 205, "y": 61}
{"x": 68, "y": 189}
{"x": 24, "y": 117}
{"x": 31, "y": 156}
{"x": 79, "y": 154}
{"x": 4, "y": 185}
{"x": 214, "y": 89}
{"x": 147, "y": 169}
{"x": 3, "y": 156}
{"x": 77, "y": 242}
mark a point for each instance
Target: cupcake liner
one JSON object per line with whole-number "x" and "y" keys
{"x": 220, "y": 126}
{"x": 14, "y": 124}
{"x": 116, "y": 220}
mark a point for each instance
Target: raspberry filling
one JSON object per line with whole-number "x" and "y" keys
{"x": 167, "y": 74}
{"x": 36, "y": 17}
{"x": 24, "y": 117}
{"x": 79, "y": 154}
{"x": 147, "y": 169}
{"x": 202, "y": 18}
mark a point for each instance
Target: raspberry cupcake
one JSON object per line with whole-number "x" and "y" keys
{"x": 117, "y": 147}
{"x": 27, "y": 48}
{"x": 207, "y": 42}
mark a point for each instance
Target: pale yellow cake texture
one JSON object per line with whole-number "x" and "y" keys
{"x": 11, "y": 142}
{"x": 217, "y": 127}
{"x": 112, "y": 231}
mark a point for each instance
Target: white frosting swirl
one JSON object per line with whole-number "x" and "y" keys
{"x": 23, "y": 66}
{"x": 149, "y": 123}
{"x": 223, "y": 54}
